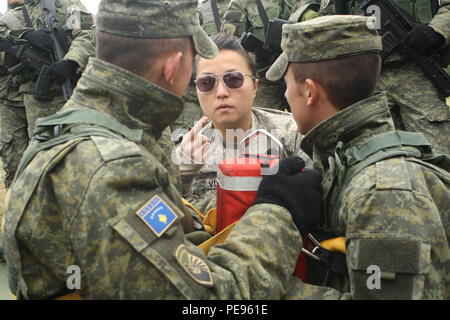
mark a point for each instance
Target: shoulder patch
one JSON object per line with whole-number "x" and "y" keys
{"x": 157, "y": 215}
{"x": 111, "y": 149}
{"x": 194, "y": 266}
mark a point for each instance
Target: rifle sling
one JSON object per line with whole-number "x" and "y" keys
{"x": 26, "y": 16}
{"x": 263, "y": 15}
{"x": 215, "y": 11}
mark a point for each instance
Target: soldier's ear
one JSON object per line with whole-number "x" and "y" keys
{"x": 172, "y": 64}
{"x": 311, "y": 92}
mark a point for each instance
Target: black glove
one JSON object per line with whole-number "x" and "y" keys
{"x": 39, "y": 39}
{"x": 423, "y": 38}
{"x": 63, "y": 70}
{"x": 297, "y": 189}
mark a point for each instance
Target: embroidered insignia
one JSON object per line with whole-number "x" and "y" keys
{"x": 194, "y": 266}
{"x": 157, "y": 215}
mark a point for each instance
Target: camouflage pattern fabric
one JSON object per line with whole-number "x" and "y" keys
{"x": 199, "y": 181}
{"x": 415, "y": 104}
{"x": 13, "y": 122}
{"x": 392, "y": 213}
{"x": 413, "y": 99}
{"x": 93, "y": 221}
{"x": 21, "y": 108}
{"x": 206, "y": 14}
{"x": 314, "y": 40}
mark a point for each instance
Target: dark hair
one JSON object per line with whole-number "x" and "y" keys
{"x": 225, "y": 41}
{"x": 136, "y": 54}
{"x": 346, "y": 80}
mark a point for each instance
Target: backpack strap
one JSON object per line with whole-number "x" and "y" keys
{"x": 78, "y": 123}
{"x": 347, "y": 163}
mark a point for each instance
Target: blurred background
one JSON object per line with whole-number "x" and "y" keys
{"x": 92, "y": 5}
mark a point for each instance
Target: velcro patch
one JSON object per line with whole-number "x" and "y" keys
{"x": 194, "y": 266}
{"x": 157, "y": 215}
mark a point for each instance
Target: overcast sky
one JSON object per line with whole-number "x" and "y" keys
{"x": 92, "y": 5}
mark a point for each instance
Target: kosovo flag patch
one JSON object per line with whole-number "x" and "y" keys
{"x": 157, "y": 215}
{"x": 194, "y": 266}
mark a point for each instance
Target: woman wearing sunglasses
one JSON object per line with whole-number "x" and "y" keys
{"x": 226, "y": 89}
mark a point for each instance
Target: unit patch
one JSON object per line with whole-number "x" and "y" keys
{"x": 157, "y": 215}
{"x": 194, "y": 266}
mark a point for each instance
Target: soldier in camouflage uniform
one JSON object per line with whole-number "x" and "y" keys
{"x": 393, "y": 211}
{"x": 413, "y": 99}
{"x": 13, "y": 128}
{"x": 192, "y": 111}
{"x": 25, "y": 108}
{"x": 242, "y": 16}
{"x": 98, "y": 192}
{"x": 199, "y": 179}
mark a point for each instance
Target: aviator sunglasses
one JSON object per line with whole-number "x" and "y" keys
{"x": 232, "y": 80}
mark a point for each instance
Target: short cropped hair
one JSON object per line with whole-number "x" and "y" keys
{"x": 346, "y": 80}
{"x": 225, "y": 41}
{"x": 136, "y": 54}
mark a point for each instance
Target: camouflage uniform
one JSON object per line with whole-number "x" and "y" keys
{"x": 13, "y": 123}
{"x": 414, "y": 101}
{"x": 199, "y": 181}
{"x": 393, "y": 213}
{"x": 242, "y": 16}
{"x": 192, "y": 111}
{"x": 15, "y": 120}
{"x": 63, "y": 210}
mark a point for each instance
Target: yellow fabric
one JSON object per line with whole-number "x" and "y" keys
{"x": 335, "y": 244}
{"x": 70, "y": 296}
{"x": 218, "y": 238}
{"x": 191, "y": 206}
{"x": 209, "y": 220}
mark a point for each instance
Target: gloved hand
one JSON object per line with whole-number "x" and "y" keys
{"x": 63, "y": 70}
{"x": 297, "y": 189}
{"x": 423, "y": 38}
{"x": 39, "y": 39}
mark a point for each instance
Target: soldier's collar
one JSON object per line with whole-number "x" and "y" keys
{"x": 132, "y": 100}
{"x": 353, "y": 124}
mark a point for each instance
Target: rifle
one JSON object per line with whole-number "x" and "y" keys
{"x": 60, "y": 42}
{"x": 395, "y": 24}
{"x": 270, "y": 49}
{"x": 32, "y": 59}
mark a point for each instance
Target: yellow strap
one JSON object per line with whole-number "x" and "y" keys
{"x": 191, "y": 206}
{"x": 335, "y": 244}
{"x": 218, "y": 238}
{"x": 210, "y": 221}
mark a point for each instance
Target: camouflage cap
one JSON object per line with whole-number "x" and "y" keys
{"x": 155, "y": 19}
{"x": 325, "y": 38}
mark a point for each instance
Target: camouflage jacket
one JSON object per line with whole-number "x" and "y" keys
{"x": 394, "y": 214}
{"x": 72, "y": 15}
{"x": 432, "y": 12}
{"x": 202, "y": 192}
{"x": 243, "y": 16}
{"x": 206, "y": 14}
{"x": 108, "y": 205}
